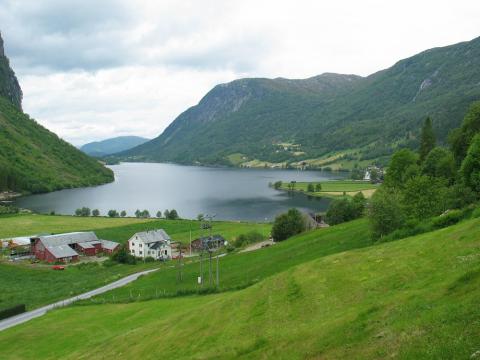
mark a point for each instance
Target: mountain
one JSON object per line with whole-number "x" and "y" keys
{"x": 359, "y": 118}
{"x": 33, "y": 159}
{"x": 113, "y": 145}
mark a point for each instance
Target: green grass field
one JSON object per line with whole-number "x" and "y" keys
{"x": 244, "y": 269}
{"x": 40, "y": 285}
{"x": 35, "y": 285}
{"x": 120, "y": 229}
{"x": 416, "y": 298}
{"x": 336, "y": 187}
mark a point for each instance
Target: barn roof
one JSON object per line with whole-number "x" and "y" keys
{"x": 68, "y": 238}
{"x": 61, "y": 251}
{"x": 109, "y": 245}
{"x": 152, "y": 236}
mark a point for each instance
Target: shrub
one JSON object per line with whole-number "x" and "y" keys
{"x": 476, "y": 213}
{"x": 288, "y": 224}
{"x": 277, "y": 185}
{"x": 345, "y": 209}
{"x": 122, "y": 256}
{"x": 12, "y": 311}
{"x": 248, "y": 238}
{"x": 385, "y": 212}
{"x": 450, "y": 218}
{"x": 149, "y": 259}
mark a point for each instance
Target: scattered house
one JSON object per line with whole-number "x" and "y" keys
{"x": 154, "y": 243}
{"x": 368, "y": 173}
{"x": 214, "y": 242}
{"x": 68, "y": 247}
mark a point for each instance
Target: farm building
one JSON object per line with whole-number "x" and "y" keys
{"x": 67, "y": 247}
{"x": 155, "y": 243}
{"x": 213, "y": 242}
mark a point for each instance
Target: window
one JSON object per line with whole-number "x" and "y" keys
{"x": 133, "y": 244}
{"x": 165, "y": 252}
{"x": 133, "y": 251}
{"x": 140, "y": 245}
{"x": 140, "y": 252}
{"x": 148, "y": 252}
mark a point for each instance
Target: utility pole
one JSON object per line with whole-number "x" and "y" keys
{"x": 218, "y": 280}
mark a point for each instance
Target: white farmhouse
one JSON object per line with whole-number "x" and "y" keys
{"x": 154, "y": 243}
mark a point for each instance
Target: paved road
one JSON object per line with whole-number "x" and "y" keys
{"x": 15, "y": 320}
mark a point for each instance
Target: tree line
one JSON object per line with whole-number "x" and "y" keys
{"x": 145, "y": 214}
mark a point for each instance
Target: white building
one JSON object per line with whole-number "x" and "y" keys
{"x": 154, "y": 243}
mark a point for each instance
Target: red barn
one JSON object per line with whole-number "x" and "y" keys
{"x": 66, "y": 247}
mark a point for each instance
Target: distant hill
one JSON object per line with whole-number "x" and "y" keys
{"x": 33, "y": 159}
{"x": 363, "y": 118}
{"x": 112, "y": 146}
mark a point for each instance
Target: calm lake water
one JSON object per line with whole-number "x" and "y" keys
{"x": 231, "y": 194}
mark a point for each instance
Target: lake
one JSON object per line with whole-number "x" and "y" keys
{"x": 230, "y": 193}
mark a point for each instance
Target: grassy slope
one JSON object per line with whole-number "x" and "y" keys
{"x": 413, "y": 298}
{"x": 243, "y": 269}
{"x": 118, "y": 229}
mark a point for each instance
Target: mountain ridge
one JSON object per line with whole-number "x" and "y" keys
{"x": 112, "y": 145}
{"x": 369, "y": 117}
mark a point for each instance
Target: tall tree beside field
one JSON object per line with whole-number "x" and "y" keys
{"x": 427, "y": 139}
{"x": 461, "y": 138}
{"x": 385, "y": 212}
{"x": 424, "y": 197}
{"x": 96, "y": 212}
{"x": 470, "y": 169}
{"x": 123, "y": 213}
{"x": 440, "y": 163}
{"x": 403, "y": 167}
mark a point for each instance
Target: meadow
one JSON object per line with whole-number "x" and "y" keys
{"x": 336, "y": 188}
{"x": 413, "y": 298}
{"x": 120, "y": 229}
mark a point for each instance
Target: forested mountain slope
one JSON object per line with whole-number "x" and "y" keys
{"x": 291, "y": 120}
{"x": 33, "y": 159}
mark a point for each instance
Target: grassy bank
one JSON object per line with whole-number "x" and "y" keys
{"x": 410, "y": 299}
{"x": 335, "y": 188}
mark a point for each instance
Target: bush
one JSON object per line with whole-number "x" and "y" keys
{"x": 288, "y": 224}
{"x": 12, "y": 311}
{"x": 96, "y": 212}
{"x": 122, "y": 256}
{"x": 476, "y": 213}
{"x": 277, "y": 185}
{"x": 342, "y": 210}
{"x": 112, "y": 213}
{"x": 248, "y": 238}
{"x": 149, "y": 259}
{"x": 450, "y": 218}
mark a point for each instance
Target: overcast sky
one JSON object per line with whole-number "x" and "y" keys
{"x": 94, "y": 69}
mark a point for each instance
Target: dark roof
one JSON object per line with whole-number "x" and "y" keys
{"x": 68, "y": 238}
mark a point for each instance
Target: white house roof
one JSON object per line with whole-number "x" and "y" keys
{"x": 61, "y": 251}
{"x": 109, "y": 245}
{"x": 152, "y": 236}
{"x": 68, "y": 238}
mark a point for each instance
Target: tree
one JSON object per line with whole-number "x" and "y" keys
{"x": 318, "y": 187}
{"x": 123, "y": 213}
{"x": 403, "y": 167}
{"x": 200, "y": 217}
{"x": 277, "y": 185}
{"x": 346, "y": 209}
{"x": 112, "y": 213}
{"x": 440, "y": 163}
{"x": 159, "y": 214}
{"x": 173, "y": 215}
{"x": 96, "y": 212}
{"x": 427, "y": 139}
{"x": 310, "y": 187}
{"x": 385, "y": 212}
{"x": 424, "y": 197}
{"x": 145, "y": 214}
{"x": 166, "y": 213}
{"x": 84, "y": 211}
{"x": 288, "y": 224}
{"x": 291, "y": 185}
{"x": 470, "y": 169}
{"x": 460, "y": 139}
{"x": 138, "y": 213}
{"x": 374, "y": 175}
{"x": 123, "y": 256}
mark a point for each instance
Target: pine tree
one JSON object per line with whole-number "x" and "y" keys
{"x": 427, "y": 139}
